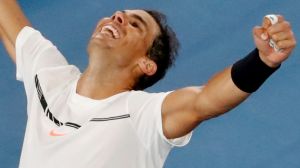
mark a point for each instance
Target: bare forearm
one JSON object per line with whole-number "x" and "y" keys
{"x": 219, "y": 95}
{"x": 12, "y": 19}
{"x": 8, "y": 45}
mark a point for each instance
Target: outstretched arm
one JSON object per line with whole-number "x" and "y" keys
{"x": 12, "y": 20}
{"x": 10, "y": 48}
{"x": 184, "y": 109}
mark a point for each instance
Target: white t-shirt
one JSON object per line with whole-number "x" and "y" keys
{"x": 67, "y": 130}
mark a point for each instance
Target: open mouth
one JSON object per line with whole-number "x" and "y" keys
{"x": 110, "y": 31}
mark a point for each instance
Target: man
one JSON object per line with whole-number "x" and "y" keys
{"x": 96, "y": 119}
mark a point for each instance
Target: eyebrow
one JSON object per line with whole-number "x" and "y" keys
{"x": 138, "y": 18}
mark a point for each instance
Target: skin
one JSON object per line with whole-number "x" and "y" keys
{"x": 125, "y": 59}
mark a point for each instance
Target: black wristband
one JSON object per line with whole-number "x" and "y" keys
{"x": 249, "y": 73}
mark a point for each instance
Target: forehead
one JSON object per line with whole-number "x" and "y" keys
{"x": 150, "y": 21}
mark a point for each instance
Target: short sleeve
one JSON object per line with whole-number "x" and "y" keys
{"x": 145, "y": 110}
{"x": 34, "y": 52}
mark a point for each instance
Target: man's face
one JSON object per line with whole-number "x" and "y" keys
{"x": 124, "y": 36}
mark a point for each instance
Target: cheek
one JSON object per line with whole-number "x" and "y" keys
{"x": 138, "y": 48}
{"x": 135, "y": 44}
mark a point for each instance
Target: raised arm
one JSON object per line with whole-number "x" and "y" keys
{"x": 12, "y": 20}
{"x": 184, "y": 109}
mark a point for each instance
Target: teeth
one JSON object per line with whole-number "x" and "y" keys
{"x": 111, "y": 29}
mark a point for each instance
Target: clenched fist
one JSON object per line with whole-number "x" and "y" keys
{"x": 282, "y": 35}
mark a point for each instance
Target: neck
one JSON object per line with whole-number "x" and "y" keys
{"x": 100, "y": 83}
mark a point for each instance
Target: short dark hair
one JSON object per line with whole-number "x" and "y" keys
{"x": 163, "y": 51}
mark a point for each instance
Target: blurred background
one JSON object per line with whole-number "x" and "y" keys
{"x": 262, "y": 132}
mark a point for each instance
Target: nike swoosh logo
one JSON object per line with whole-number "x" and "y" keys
{"x": 53, "y": 133}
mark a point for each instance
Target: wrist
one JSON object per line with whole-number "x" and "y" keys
{"x": 249, "y": 73}
{"x": 269, "y": 63}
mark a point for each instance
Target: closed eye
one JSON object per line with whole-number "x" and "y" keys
{"x": 134, "y": 24}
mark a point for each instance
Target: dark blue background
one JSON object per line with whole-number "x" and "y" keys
{"x": 263, "y": 132}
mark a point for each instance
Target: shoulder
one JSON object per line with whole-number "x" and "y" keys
{"x": 142, "y": 96}
{"x": 27, "y": 33}
{"x": 139, "y": 101}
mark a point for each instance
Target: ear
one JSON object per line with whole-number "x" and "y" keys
{"x": 147, "y": 66}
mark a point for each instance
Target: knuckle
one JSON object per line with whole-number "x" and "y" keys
{"x": 294, "y": 43}
{"x": 291, "y": 35}
{"x": 281, "y": 17}
{"x": 287, "y": 24}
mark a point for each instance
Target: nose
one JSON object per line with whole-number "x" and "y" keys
{"x": 119, "y": 17}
